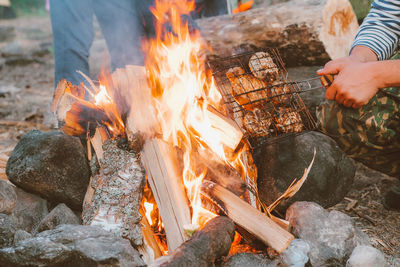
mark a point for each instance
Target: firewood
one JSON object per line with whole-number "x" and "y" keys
{"x": 168, "y": 190}
{"x": 252, "y": 220}
{"x": 149, "y": 249}
{"x": 206, "y": 245}
{"x": 225, "y": 127}
{"x": 220, "y": 172}
{"x": 117, "y": 197}
{"x": 305, "y": 32}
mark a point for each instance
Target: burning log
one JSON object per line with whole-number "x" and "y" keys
{"x": 206, "y": 245}
{"x": 305, "y": 32}
{"x": 248, "y": 217}
{"x": 168, "y": 190}
{"x": 221, "y": 173}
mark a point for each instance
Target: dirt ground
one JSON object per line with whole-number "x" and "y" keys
{"x": 26, "y": 83}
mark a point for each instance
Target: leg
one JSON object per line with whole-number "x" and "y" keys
{"x": 370, "y": 134}
{"x": 72, "y": 23}
{"x": 122, "y": 30}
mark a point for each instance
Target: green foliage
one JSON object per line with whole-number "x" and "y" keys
{"x": 361, "y": 8}
{"x": 28, "y": 7}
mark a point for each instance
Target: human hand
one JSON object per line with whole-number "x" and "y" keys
{"x": 355, "y": 81}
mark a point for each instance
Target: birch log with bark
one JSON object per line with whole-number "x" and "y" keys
{"x": 306, "y": 32}
{"x": 114, "y": 204}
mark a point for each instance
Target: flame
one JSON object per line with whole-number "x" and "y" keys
{"x": 182, "y": 91}
{"x": 148, "y": 207}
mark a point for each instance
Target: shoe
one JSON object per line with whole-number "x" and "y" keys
{"x": 392, "y": 198}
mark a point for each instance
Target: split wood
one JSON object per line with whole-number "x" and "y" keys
{"x": 251, "y": 219}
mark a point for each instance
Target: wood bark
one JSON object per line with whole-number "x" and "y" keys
{"x": 114, "y": 204}
{"x": 206, "y": 245}
{"x": 252, "y": 220}
{"x": 148, "y": 248}
{"x": 306, "y": 32}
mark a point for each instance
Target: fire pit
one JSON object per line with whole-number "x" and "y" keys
{"x": 171, "y": 118}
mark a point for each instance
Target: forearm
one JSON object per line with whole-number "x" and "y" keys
{"x": 363, "y": 54}
{"x": 386, "y": 73}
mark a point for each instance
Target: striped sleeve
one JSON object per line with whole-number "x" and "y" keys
{"x": 380, "y": 30}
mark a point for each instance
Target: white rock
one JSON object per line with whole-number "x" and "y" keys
{"x": 366, "y": 256}
{"x": 296, "y": 255}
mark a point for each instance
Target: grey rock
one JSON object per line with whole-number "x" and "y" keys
{"x": 8, "y": 197}
{"x": 332, "y": 236}
{"x": 29, "y": 210}
{"x": 61, "y": 214}
{"x": 21, "y": 235}
{"x": 366, "y": 256}
{"x": 296, "y": 255}
{"x": 51, "y": 164}
{"x": 7, "y": 230}
{"x": 7, "y": 33}
{"x": 249, "y": 260}
{"x": 72, "y": 245}
{"x": 13, "y": 49}
{"x": 280, "y": 162}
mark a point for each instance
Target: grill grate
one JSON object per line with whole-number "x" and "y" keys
{"x": 259, "y": 95}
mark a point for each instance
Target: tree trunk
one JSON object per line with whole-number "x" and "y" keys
{"x": 306, "y": 32}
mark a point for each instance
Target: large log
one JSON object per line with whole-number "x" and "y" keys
{"x": 248, "y": 217}
{"x": 306, "y": 32}
{"x": 206, "y": 246}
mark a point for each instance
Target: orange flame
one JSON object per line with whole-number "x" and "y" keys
{"x": 182, "y": 92}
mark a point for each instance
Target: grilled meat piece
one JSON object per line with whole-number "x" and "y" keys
{"x": 279, "y": 93}
{"x": 257, "y": 122}
{"x": 263, "y": 67}
{"x": 245, "y": 84}
{"x": 289, "y": 121}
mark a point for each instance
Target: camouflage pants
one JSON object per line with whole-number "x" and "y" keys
{"x": 370, "y": 134}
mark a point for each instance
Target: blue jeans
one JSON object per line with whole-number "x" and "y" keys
{"x": 123, "y": 24}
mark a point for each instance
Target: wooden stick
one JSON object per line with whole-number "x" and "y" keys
{"x": 150, "y": 249}
{"x": 248, "y": 217}
{"x": 168, "y": 190}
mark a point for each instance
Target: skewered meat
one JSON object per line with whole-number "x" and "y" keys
{"x": 289, "y": 121}
{"x": 243, "y": 86}
{"x": 279, "y": 93}
{"x": 257, "y": 122}
{"x": 263, "y": 67}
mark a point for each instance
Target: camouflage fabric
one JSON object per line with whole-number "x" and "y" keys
{"x": 370, "y": 134}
